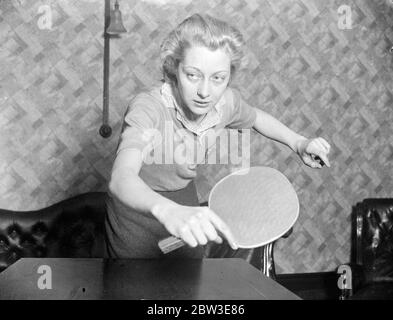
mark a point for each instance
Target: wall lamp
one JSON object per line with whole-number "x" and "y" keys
{"x": 113, "y": 27}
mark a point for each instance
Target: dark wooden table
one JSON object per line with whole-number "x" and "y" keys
{"x": 216, "y": 279}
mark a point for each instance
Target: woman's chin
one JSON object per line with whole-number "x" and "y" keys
{"x": 200, "y": 111}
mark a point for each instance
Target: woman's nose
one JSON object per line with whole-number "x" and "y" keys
{"x": 203, "y": 89}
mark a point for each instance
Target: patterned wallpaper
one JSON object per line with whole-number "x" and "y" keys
{"x": 307, "y": 66}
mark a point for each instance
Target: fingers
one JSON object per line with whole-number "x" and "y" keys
{"x": 325, "y": 144}
{"x": 318, "y": 142}
{"x": 187, "y": 236}
{"x": 308, "y": 160}
{"x": 197, "y": 231}
{"x": 324, "y": 158}
{"x": 318, "y": 147}
{"x": 222, "y": 227}
{"x": 210, "y": 231}
{"x": 203, "y": 225}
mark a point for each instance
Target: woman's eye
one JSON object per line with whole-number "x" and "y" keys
{"x": 192, "y": 76}
{"x": 218, "y": 79}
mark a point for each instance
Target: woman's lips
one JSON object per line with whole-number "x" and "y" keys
{"x": 201, "y": 103}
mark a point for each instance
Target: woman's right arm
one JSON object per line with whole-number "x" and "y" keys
{"x": 194, "y": 225}
{"x": 126, "y": 185}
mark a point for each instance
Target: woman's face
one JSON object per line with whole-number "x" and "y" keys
{"x": 202, "y": 78}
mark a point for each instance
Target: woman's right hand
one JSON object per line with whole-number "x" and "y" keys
{"x": 194, "y": 225}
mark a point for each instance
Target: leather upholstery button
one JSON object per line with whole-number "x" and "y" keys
{"x": 14, "y": 254}
{"x": 14, "y": 231}
{"x": 3, "y": 244}
{"x": 27, "y": 242}
{"x": 39, "y": 229}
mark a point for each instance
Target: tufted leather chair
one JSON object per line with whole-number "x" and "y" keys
{"x": 372, "y": 249}
{"x": 72, "y": 228}
{"x": 371, "y": 266}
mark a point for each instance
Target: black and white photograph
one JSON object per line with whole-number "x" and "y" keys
{"x": 194, "y": 156}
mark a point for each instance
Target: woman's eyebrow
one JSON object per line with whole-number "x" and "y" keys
{"x": 185, "y": 66}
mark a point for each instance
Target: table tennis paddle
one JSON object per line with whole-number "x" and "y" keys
{"x": 258, "y": 204}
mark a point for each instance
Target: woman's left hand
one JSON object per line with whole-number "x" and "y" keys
{"x": 313, "y": 152}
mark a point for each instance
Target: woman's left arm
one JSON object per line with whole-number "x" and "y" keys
{"x": 309, "y": 150}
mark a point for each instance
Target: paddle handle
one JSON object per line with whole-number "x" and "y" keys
{"x": 169, "y": 244}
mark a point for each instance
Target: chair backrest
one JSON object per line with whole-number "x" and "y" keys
{"x": 373, "y": 238}
{"x": 72, "y": 228}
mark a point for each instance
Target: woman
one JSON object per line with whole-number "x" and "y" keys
{"x": 151, "y": 200}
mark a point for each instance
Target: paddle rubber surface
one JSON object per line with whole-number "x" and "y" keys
{"x": 259, "y": 205}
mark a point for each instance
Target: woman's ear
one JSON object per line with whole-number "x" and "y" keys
{"x": 170, "y": 69}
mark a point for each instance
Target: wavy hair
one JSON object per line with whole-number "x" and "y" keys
{"x": 200, "y": 29}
